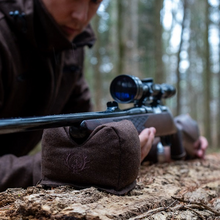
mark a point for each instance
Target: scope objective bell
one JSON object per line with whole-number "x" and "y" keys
{"x": 127, "y": 89}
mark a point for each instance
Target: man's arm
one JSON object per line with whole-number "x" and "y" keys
{"x": 19, "y": 171}
{"x": 194, "y": 145}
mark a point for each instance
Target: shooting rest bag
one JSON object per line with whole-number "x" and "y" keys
{"x": 109, "y": 159}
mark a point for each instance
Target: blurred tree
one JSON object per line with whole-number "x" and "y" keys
{"x": 194, "y": 90}
{"x": 218, "y": 80}
{"x": 146, "y": 41}
{"x": 120, "y": 36}
{"x": 132, "y": 30}
{"x": 158, "y": 44}
{"x": 178, "y": 74}
{"x": 207, "y": 77}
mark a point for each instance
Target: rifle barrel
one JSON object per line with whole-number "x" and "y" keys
{"x": 14, "y": 125}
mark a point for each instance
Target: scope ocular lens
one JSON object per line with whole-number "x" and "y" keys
{"x": 123, "y": 89}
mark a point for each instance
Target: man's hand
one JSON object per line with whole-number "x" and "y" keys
{"x": 200, "y": 147}
{"x": 146, "y": 139}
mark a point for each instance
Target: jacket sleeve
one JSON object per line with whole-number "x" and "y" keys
{"x": 15, "y": 171}
{"x": 80, "y": 98}
{"x": 190, "y": 133}
{"x": 1, "y": 85}
{"x": 19, "y": 171}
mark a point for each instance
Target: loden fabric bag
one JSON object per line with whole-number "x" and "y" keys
{"x": 109, "y": 159}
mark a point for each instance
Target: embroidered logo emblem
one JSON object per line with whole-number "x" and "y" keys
{"x": 76, "y": 162}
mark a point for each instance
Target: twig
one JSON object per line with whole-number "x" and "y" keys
{"x": 173, "y": 209}
{"x": 199, "y": 204}
{"x": 191, "y": 209}
{"x": 149, "y": 213}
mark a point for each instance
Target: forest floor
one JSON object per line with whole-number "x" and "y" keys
{"x": 179, "y": 190}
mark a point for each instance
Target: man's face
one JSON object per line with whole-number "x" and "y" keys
{"x": 72, "y": 16}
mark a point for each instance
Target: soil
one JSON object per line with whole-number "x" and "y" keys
{"x": 178, "y": 190}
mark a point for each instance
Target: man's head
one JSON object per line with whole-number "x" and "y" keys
{"x": 72, "y": 16}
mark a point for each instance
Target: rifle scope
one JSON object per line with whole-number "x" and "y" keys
{"x": 127, "y": 88}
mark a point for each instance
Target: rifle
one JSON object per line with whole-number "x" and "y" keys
{"x": 148, "y": 111}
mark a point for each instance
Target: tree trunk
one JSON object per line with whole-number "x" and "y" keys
{"x": 133, "y": 42}
{"x": 158, "y": 45}
{"x": 179, "y": 92}
{"x": 218, "y": 77}
{"x": 206, "y": 79}
{"x": 121, "y": 46}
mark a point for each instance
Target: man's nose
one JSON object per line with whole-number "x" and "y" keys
{"x": 80, "y": 12}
